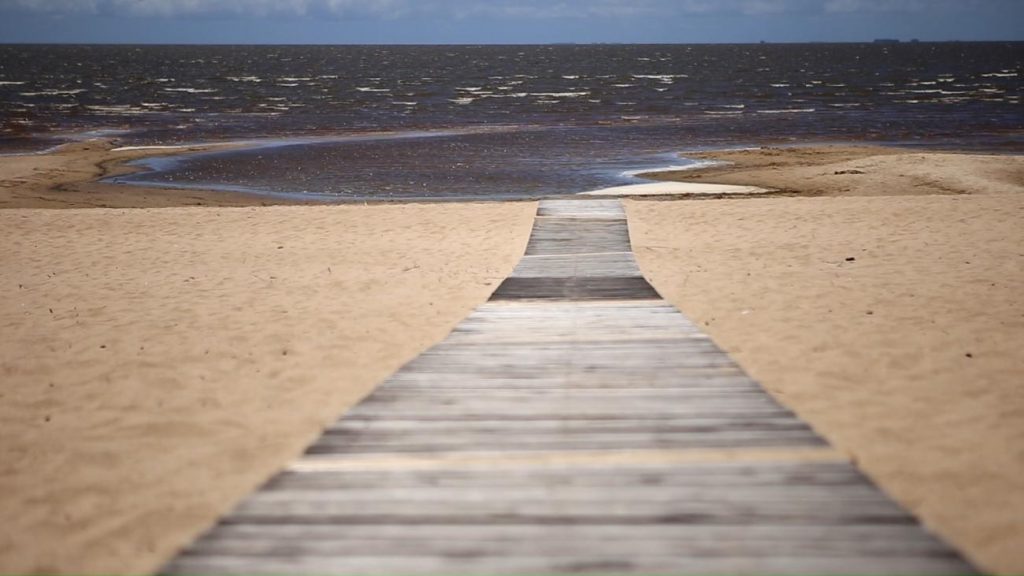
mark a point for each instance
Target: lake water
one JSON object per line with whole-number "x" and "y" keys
{"x": 498, "y": 121}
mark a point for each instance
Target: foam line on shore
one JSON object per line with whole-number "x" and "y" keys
{"x": 155, "y": 148}
{"x": 695, "y": 165}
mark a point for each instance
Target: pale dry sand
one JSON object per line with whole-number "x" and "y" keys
{"x": 156, "y": 365}
{"x": 907, "y": 357}
{"x": 858, "y": 171}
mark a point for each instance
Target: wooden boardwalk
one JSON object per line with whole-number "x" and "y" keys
{"x": 575, "y": 423}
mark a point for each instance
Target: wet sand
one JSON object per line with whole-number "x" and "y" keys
{"x": 68, "y": 178}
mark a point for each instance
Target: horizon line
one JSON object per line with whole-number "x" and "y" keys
{"x": 874, "y": 41}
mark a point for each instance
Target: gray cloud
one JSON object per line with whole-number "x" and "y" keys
{"x": 170, "y": 8}
{"x": 56, "y": 6}
{"x": 540, "y": 9}
{"x": 877, "y": 5}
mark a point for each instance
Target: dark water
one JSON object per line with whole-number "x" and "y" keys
{"x": 490, "y": 164}
{"x": 519, "y": 118}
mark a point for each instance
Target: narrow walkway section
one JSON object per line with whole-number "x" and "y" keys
{"x": 575, "y": 423}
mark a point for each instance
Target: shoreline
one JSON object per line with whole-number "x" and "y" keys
{"x": 73, "y": 174}
{"x": 76, "y": 175}
{"x": 71, "y": 177}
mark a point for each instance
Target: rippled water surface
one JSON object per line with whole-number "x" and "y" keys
{"x": 518, "y": 118}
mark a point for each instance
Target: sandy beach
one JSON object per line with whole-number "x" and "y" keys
{"x": 159, "y": 363}
{"x": 889, "y": 315}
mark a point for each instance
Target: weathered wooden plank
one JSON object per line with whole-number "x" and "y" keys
{"x": 558, "y": 546}
{"x": 641, "y": 349}
{"x": 623, "y": 497}
{"x": 780, "y": 540}
{"x": 609, "y": 333}
{"x": 719, "y": 475}
{"x": 621, "y": 312}
{"x": 582, "y": 324}
{"x": 586, "y": 394}
{"x": 576, "y": 395}
{"x": 416, "y": 507}
{"x": 531, "y": 314}
{"x": 573, "y": 209}
{"x": 648, "y": 308}
{"x": 457, "y": 376}
{"x": 578, "y": 236}
{"x": 580, "y": 229}
{"x": 508, "y": 333}
{"x": 591, "y": 563}
{"x": 690, "y": 351}
{"x": 420, "y": 413}
{"x": 682, "y": 400}
{"x": 501, "y": 426}
{"x": 426, "y": 382}
{"x": 605, "y": 374}
{"x": 554, "y": 336}
{"x": 721, "y": 377}
{"x": 483, "y": 407}
{"x": 404, "y": 444}
{"x": 584, "y": 317}
{"x": 508, "y": 366}
{"x": 575, "y": 288}
{"x": 583, "y": 399}
{"x": 586, "y": 329}
{"x": 650, "y": 346}
{"x": 563, "y": 266}
{"x": 455, "y": 362}
{"x": 581, "y": 460}
{"x": 554, "y": 359}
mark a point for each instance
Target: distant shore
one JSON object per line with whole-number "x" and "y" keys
{"x": 158, "y": 364}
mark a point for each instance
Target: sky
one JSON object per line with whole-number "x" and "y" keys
{"x": 504, "y": 21}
